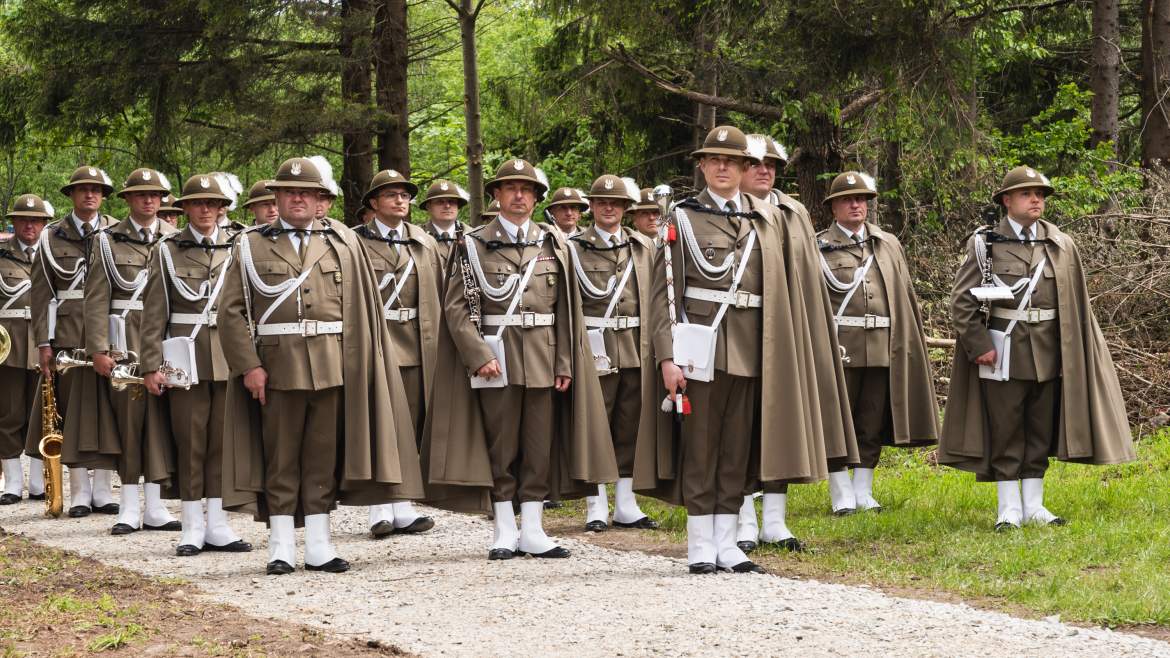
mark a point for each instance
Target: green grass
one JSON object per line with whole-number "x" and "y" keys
{"x": 1110, "y": 565}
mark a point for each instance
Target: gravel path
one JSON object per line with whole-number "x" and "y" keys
{"x": 436, "y": 594}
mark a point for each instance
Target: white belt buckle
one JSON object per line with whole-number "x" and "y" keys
{"x": 870, "y": 321}
{"x": 309, "y": 328}
{"x": 212, "y": 320}
{"x": 743, "y": 299}
{"x": 1032, "y": 316}
{"x": 622, "y": 322}
{"x": 527, "y": 319}
{"x": 403, "y": 315}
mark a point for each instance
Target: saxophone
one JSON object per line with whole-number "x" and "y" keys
{"x": 50, "y": 448}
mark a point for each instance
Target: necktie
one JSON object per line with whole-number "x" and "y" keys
{"x": 146, "y": 235}
{"x": 394, "y": 236}
{"x": 86, "y": 229}
{"x": 206, "y": 242}
{"x": 856, "y": 238}
{"x": 731, "y": 207}
{"x": 302, "y": 240}
{"x": 29, "y": 252}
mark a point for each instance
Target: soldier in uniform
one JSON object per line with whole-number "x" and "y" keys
{"x": 565, "y": 209}
{"x": 317, "y": 415}
{"x": 18, "y": 375}
{"x": 879, "y": 328}
{"x": 614, "y": 273}
{"x": 408, "y": 272}
{"x": 1032, "y": 377}
{"x": 826, "y": 380}
{"x": 731, "y": 330}
{"x": 489, "y": 213}
{"x": 58, "y": 288}
{"x": 442, "y": 203}
{"x": 182, "y": 292}
{"x": 261, "y": 203}
{"x": 169, "y": 212}
{"x": 533, "y": 427}
{"x": 645, "y": 214}
{"x": 113, "y": 314}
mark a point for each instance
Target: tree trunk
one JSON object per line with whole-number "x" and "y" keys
{"x": 467, "y": 17}
{"x": 706, "y": 81}
{"x": 390, "y": 53}
{"x": 1155, "y": 82}
{"x": 357, "y": 142}
{"x": 819, "y": 154}
{"x": 1105, "y": 72}
{"x": 894, "y": 205}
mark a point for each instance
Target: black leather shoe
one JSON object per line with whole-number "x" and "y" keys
{"x": 122, "y": 529}
{"x": 791, "y": 544}
{"x": 554, "y": 552}
{"x": 748, "y": 567}
{"x": 644, "y": 523}
{"x": 187, "y": 550}
{"x": 553, "y": 504}
{"x": 844, "y": 511}
{"x": 169, "y": 526}
{"x": 9, "y": 499}
{"x": 108, "y": 508}
{"x": 238, "y": 546}
{"x": 746, "y": 546}
{"x": 421, "y": 524}
{"x": 78, "y": 511}
{"x": 501, "y": 554}
{"x": 1004, "y": 526}
{"x": 596, "y": 526}
{"x": 1058, "y": 521}
{"x": 382, "y": 529}
{"x": 279, "y": 568}
{"x": 336, "y": 565}
{"x": 39, "y": 496}
{"x": 702, "y": 568}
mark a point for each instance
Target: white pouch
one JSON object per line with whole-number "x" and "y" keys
{"x": 1003, "y": 357}
{"x": 992, "y": 293}
{"x": 53, "y": 318}
{"x": 597, "y": 347}
{"x": 118, "y": 334}
{"x": 496, "y": 345}
{"x": 694, "y": 350}
{"x": 179, "y": 352}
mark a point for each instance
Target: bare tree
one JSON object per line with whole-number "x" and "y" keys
{"x": 1155, "y": 82}
{"x": 356, "y": 139}
{"x": 1105, "y": 71}
{"x": 390, "y": 68}
{"x": 468, "y": 13}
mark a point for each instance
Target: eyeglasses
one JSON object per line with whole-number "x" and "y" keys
{"x": 401, "y": 196}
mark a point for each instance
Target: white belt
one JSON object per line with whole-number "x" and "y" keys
{"x": 865, "y": 321}
{"x": 738, "y": 299}
{"x": 305, "y": 328}
{"x": 525, "y": 320}
{"x": 1028, "y": 316}
{"x": 16, "y": 314}
{"x": 126, "y": 304}
{"x": 617, "y": 322}
{"x": 400, "y": 314}
{"x": 62, "y": 295}
{"x": 194, "y": 319}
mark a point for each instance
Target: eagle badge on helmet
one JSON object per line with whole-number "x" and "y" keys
{"x": 295, "y": 169}
{"x": 30, "y": 202}
{"x": 444, "y": 186}
{"x": 609, "y": 184}
{"x": 204, "y": 182}
{"x": 393, "y": 174}
{"x": 1030, "y": 172}
{"x": 851, "y": 180}
{"x": 518, "y": 165}
{"x": 92, "y": 171}
{"x": 146, "y": 175}
{"x": 721, "y": 136}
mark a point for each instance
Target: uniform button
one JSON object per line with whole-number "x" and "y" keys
{"x": 308, "y": 306}
{"x": 306, "y": 290}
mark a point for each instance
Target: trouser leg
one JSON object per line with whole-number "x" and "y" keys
{"x": 501, "y": 409}
{"x": 869, "y": 400}
{"x": 282, "y": 421}
{"x": 318, "y": 458}
{"x": 536, "y": 432}
{"x": 190, "y": 417}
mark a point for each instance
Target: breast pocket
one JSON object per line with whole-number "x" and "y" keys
{"x": 545, "y": 279}
{"x": 1010, "y": 270}
{"x": 129, "y": 265}
{"x": 273, "y": 272}
{"x": 331, "y": 275}
{"x": 598, "y": 275}
{"x": 192, "y": 277}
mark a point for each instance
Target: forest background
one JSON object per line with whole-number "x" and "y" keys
{"x": 936, "y": 98}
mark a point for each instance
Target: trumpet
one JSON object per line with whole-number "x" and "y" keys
{"x": 124, "y": 375}
{"x": 175, "y": 377}
{"x": 69, "y": 359}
